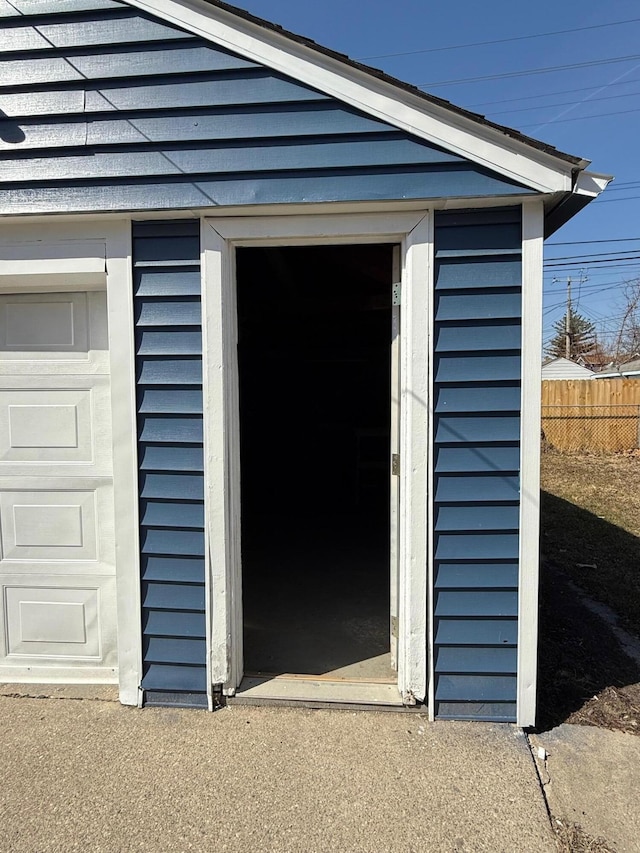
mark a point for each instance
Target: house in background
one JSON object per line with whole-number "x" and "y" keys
{"x": 627, "y": 370}
{"x": 269, "y": 384}
{"x": 594, "y": 361}
{"x": 564, "y": 368}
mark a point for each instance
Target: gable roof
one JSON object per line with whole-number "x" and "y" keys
{"x": 395, "y": 81}
{"x": 564, "y": 368}
{"x": 541, "y": 167}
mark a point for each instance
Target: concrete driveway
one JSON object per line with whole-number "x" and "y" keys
{"x": 91, "y": 775}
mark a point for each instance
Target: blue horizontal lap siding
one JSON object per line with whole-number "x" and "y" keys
{"x": 471, "y": 337}
{"x": 169, "y": 383}
{"x": 477, "y": 458}
{"x": 106, "y": 108}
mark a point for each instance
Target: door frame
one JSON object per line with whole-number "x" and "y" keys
{"x": 413, "y": 231}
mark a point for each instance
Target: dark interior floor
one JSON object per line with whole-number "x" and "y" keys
{"x": 316, "y": 599}
{"x": 314, "y": 354}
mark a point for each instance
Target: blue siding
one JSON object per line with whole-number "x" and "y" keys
{"x": 470, "y": 337}
{"x": 476, "y": 485}
{"x": 169, "y": 378}
{"x": 474, "y": 458}
{"x": 477, "y": 576}
{"x": 105, "y": 108}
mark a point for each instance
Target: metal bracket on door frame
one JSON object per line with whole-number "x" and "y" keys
{"x": 396, "y": 294}
{"x": 395, "y": 464}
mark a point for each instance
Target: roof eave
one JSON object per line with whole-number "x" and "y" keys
{"x": 561, "y": 207}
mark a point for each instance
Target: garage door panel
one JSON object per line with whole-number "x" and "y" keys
{"x": 57, "y": 526}
{"x": 54, "y": 333}
{"x": 35, "y": 326}
{"x": 42, "y": 429}
{"x": 42, "y": 525}
{"x": 58, "y": 620}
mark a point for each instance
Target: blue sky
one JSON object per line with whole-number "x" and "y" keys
{"x": 592, "y": 111}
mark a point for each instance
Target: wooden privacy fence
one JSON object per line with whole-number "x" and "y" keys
{"x": 600, "y": 415}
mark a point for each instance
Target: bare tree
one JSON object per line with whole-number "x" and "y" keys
{"x": 627, "y": 341}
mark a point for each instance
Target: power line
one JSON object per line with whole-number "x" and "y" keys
{"x": 552, "y": 94}
{"x": 562, "y": 304}
{"x": 585, "y": 242}
{"x": 591, "y": 286}
{"x": 547, "y": 70}
{"x": 625, "y": 187}
{"x": 609, "y": 261}
{"x": 592, "y": 255}
{"x": 609, "y": 200}
{"x": 601, "y": 275}
{"x": 500, "y": 41}
{"x": 595, "y": 285}
{"x": 565, "y": 104}
{"x": 582, "y": 265}
{"x": 606, "y": 272}
{"x": 581, "y": 118}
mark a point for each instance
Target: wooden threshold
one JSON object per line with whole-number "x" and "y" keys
{"x": 316, "y": 691}
{"x": 303, "y": 676}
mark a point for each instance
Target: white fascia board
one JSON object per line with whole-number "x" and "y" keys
{"x": 488, "y": 147}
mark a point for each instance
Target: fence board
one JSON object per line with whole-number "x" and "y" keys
{"x": 591, "y": 414}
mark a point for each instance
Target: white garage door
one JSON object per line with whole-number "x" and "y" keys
{"x": 57, "y": 561}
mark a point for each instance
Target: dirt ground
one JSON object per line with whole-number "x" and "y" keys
{"x": 590, "y": 537}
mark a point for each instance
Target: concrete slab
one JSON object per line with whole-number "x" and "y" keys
{"x": 592, "y": 778}
{"x": 100, "y": 777}
{"x": 100, "y": 692}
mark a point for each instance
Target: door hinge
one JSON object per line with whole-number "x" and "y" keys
{"x": 394, "y": 627}
{"x": 395, "y": 464}
{"x": 397, "y": 294}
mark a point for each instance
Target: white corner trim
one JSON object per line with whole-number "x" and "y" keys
{"x": 431, "y": 521}
{"x": 208, "y": 589}
{"x": 125, "y": 457}
{"x": 415, "y": 342}
{"x": 471, "y": 139}
{"x": 532, "y": 273}
{"x": 222, "y": 467}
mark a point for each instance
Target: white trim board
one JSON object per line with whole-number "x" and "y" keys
{"x": 125, "y": 459}
{"x": 52, "y": 222}
{"x": 476, "y": 141}
{"x": 532, "y": 272}
{"x": 63, "y": 265}
{"x": 220, "y": 238}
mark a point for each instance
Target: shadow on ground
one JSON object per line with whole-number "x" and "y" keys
{"x": 584, "y": 676}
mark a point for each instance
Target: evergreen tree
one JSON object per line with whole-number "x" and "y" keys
{"x": 582, "y": 337}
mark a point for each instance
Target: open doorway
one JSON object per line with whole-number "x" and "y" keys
{"x": 314, "y": 349}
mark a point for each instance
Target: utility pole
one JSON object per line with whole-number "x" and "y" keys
{"x": 567, "y": 316}
{"x": 567, "y": 323}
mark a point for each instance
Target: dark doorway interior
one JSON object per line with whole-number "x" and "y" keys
{"x": 314, "y": 360}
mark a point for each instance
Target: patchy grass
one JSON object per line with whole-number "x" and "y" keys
{"x": 571, "y": 838}
{"x": 591, "y": 526}
{"x": 591, "y": 539}
{"x": 584, "y": 676}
